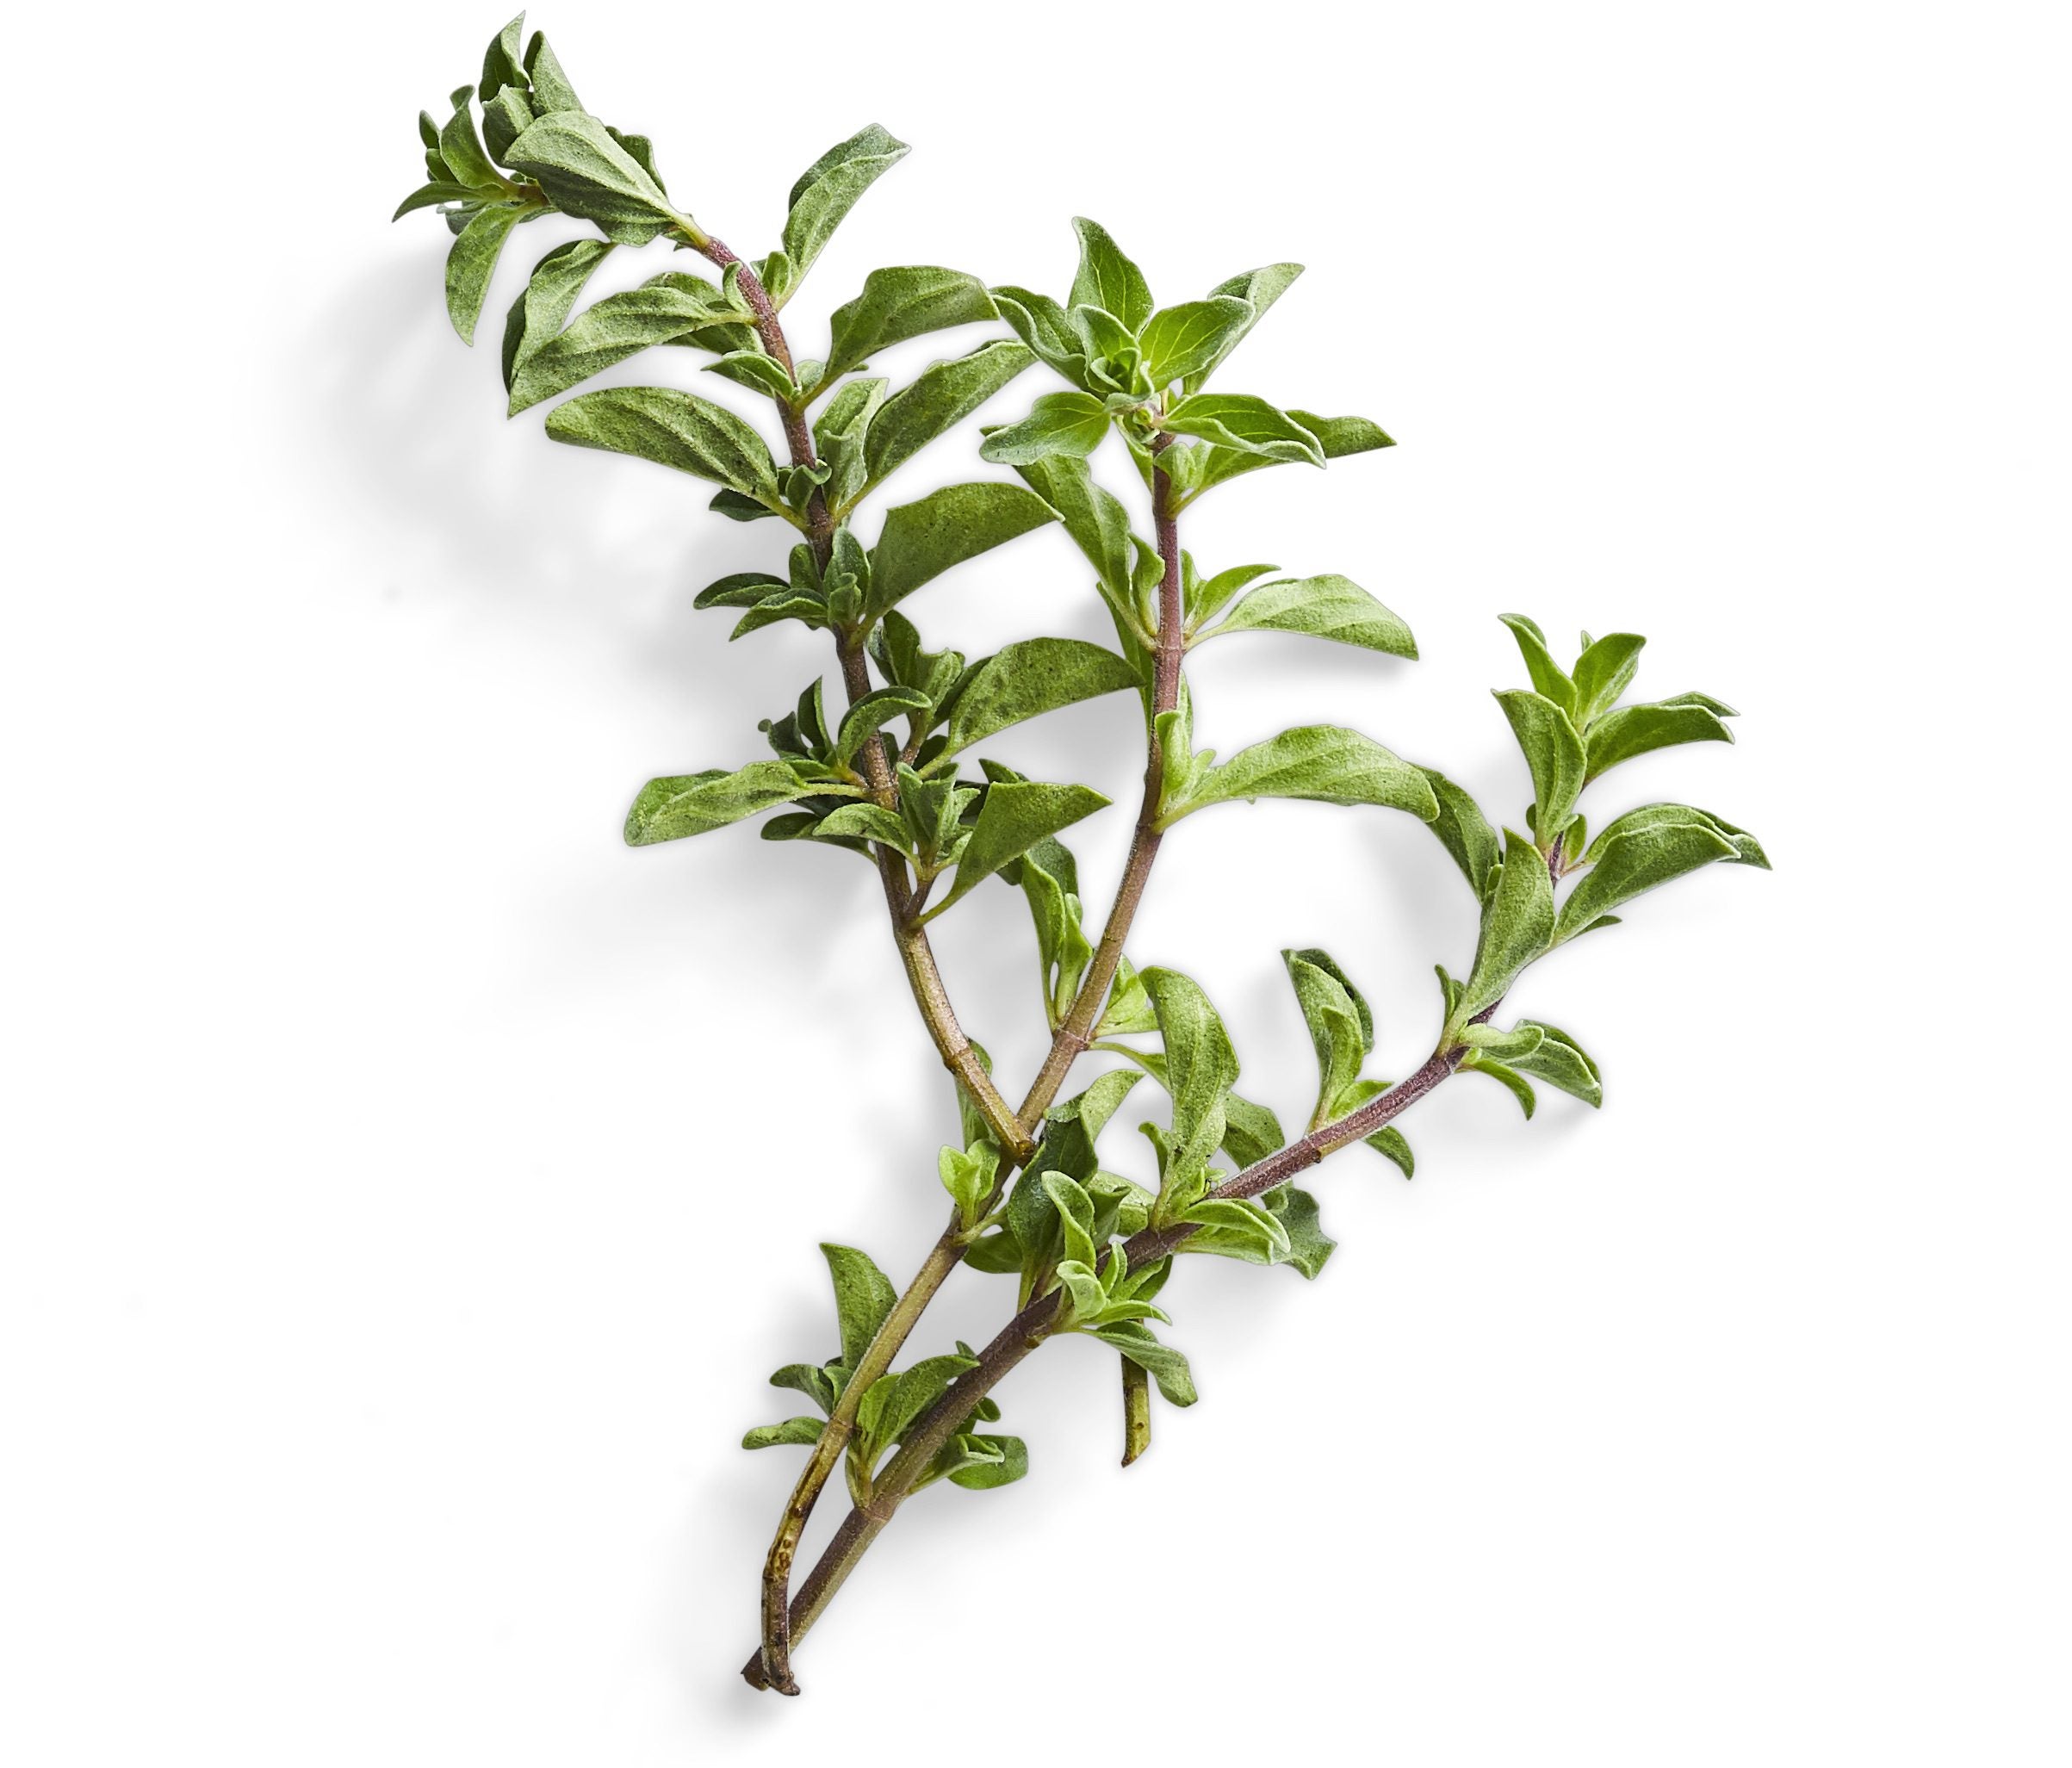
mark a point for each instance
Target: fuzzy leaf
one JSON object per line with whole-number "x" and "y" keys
{"x": 863, "y": 1297}
{"x": 900, "y": 303}
{"x": 1165, "y": 1365}
{"x": 1549, "y": 680}
{"x": 1659, "y": 724}
{"x": 921, "y": 540}
{"x": 940, "y": 397}
{"x": 1329, "y": 607}
{"x": 1180, "y": 342}
{"x": 1625, "y": 862}
{"x": 1603, "y": 672}
{"x": 1024, "y": 680}
{"x": 472, "y": 261}
{"x": 1553, "y": 751}
{"x": 1107, "y": 279}
{"x": 1057, "y": 424}
{"x": 1308, "y": 1245}
{"x": 670, "y": 809}
{"x": 798, "y": 1430}
{"x": 1012, "y": 820}
{"x": 1520, "y": 1089}
{"x": 1341, "y": 1029}
{"x": 610, "y": 330}
{"x": 1237, "y": 420}
{"x": 1559, "y": 1060}
{"x": 586, "y": 173}
{"x": 980, "y": 1463}
{"x": 1517, "y": 926}
{"x": 1464, "y": 831}
{"x": 1259, "y": 289}
{"x": 1321, "y": 762}
{"x": 828, "y": 188}
{"x": 541, "y": 311}
{"x": 1200, "y": 1068}
{"x": 674, "y": 429}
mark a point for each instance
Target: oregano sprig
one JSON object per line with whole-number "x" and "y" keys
{"x": 891, "y": 768}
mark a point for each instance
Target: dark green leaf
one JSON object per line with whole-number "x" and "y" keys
{"x": 874, "y": 710}
{"x": 539, "y": 312}
{"x": 839, "y": 439}
{"x": 610, "y": 330}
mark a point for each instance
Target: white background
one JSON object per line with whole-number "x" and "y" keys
{"x": 408, "y": 1187}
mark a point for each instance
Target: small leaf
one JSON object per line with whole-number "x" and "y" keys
{"x": 1237, "y": 420}
{"x": 921, "y": 540}
{"x": 982, "y": 1463}
{"x": 1747, "y": 850}
{"x": 757, "y": 372}
{"x": 1389, "y": 1142}
{"x": 905, "y": 302}
{"x": 1012, "y": 820}
{"x": 1341, "y": 1028}
{"x": 610, "y": 330}
{"x": 1517, "y": 926}
{"x": 828, "y": 188}
{"x": 1107, "y": 279}
{"x": 1200, "y": 1068}
{"x": 1321, "y": 762}
{"x": 670, "y": 809}
{"x": 1058, "y": 423}
{"x": 1559, "y": 1060}
{"x": 838, "y": 438}
{"x": 798, "y": 1430}
{"x": 540, "y": 312}
{"x": 1327, "y": 607}
{"x": 1165, "y": 1365}
{"x": 967, "y": 1175}
{"x": 674, "y": 429}
{"x": 871, "y": 713}
{"x": 1659, "y": 724}
{"x": 1520, "y": 1088}
{"x": 1549, "y": 680}
{"x": 472, "y": 261}
{"x": 1025, "y": 679}
{"x": 1554, "y": 753}
{"x": 940, "y": 397}
{"x": 867, "y": 822}
{"x": 1094, "y": 517}
{"x": 1045, "y": 328}
{"x": 863, "y": 1297}
{"x": 1308, "y": 1245}
{"x": 1603, "y": 672}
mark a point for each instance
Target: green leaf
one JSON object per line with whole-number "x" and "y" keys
{"x": 1094, "y": 517}
{"x": 1075, "y": 1210}
{"x": 1205, "y": 600}
{"x": 1520, "y": 1088}
{"x": 674, "y": 429}
{"x": 1335, "y": 436}
{"x": 967, "y": 1175}
{"x": 1660, "y": 725}
{"x": 1049, "y": 878}
{"x": 540, "y": 312}
{"x": 1603, "y": 672}
{"x": 864, "y": 823}
{"x": 921, "y": 540}
{"x": 670, "y": 809}
{"x": 503, "y": 63}
{"x": 1341, "y": 1027}
{"x": 1747, "y": 850}
{"x": 1329, "y": 607}
{"x": 1387, "y": 1141}
{"x": 1107, "y": 279}
{"x": 1321, "y": 762}
{"x": 1180, "y": 342}
{"x": 1512, "y": 1046}
{"x": 1233, "y": 1227}
{"x": 1011, "y": 819}
{"x": 1238, "y": 420}
{"x": 550, "y": 87}
{"x": 863, "y": 1297}
{"x": 610, "y": 330}
{"x": 1554, "y": 753}
{"x": 940, "y": 397}
{"x": 1549, "y": 680}
{"x": 838, "y": 438}
{"x": 980, "y": 1463}
{"x": 1465, "y": 831}
{"x": 909, "y": 1394}
{"x": 1045, "y": 328}
{"x": 900, "y": 303}
{"x": 1058, "y": 423}
{"x": 437, "y": 191}
{"x": 461, "y": 148}
{"x": 587, "y": 174}
{"x": 1200, "y": 1068}
{"x": 871, "y": 713}
{"x": 828, "y": 190}
{"x": 812, "y": 1379}
{"x": 1022, "y": 681}
{"x": 1259, "y": 289}
{"x": 1250, "y": 1131}
{"x": 1559, "y": 1060}
{"x": 472, "y": 261}
{"x": 798, "y": 1430}
{"x": 1308, "y": 1245}
{"x": 1165, "y": 1365}
{"x": 1626, "y": 862}
{"x": 1517, "y": 926}
{"x": 757, "y": 372}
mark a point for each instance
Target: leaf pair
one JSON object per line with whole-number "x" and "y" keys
{"x": 1341, "y": 1032}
